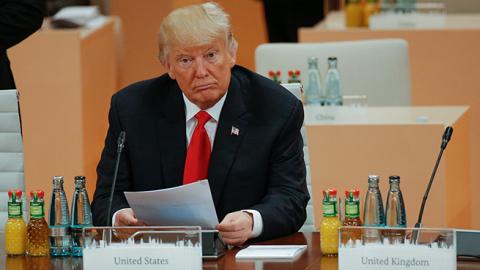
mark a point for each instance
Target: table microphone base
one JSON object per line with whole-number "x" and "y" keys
{"x": 212, "y": 245}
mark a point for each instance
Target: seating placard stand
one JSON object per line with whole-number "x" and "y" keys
{"x": 394, "y": 248}
{"x": 167, "y": 248}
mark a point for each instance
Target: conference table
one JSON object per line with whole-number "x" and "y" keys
{"x": 311, "y": 259}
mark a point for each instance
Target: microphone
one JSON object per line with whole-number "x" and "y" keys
{"x": 447, "y": 135}
{"x": 120, "y": 145}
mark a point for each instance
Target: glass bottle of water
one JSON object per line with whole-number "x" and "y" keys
{"x": 81, "y": 214}
{"x": 60, "y": 239}
{"x": 395, "y": 215}
{"x": 333, "y": 89}
{"x": 406, "y": 6}
{"x": 314, "y": 91}
{"x": 373, "y": 214}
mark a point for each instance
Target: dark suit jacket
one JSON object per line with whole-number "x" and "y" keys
{"x": 262, "y": 168}
{"x": 18, "y": 20}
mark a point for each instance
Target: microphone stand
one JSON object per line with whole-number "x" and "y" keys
{"x": 445, "y": 139}
{"x": 120, "y": 146}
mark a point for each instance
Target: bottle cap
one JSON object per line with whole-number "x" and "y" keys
{"x": 312, "y": 60}
{"x": 373, "y": 178}
{"x": 18, "y": 194}
{"x": 394, "y": 179}
{"x": 333, "y": 192}
{"x": 58, "y": 180}
{"x": 79, "y": 181}
{"x": 352, "y": 193}
{"x": 36, "y": 194}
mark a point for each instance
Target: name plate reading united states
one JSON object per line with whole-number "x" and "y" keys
{"x": 168, "y": 248}
{"x": 399, "y": 248}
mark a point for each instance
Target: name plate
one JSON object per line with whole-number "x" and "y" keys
{"x": 142, "y": 257}
{"x": 435, "y": 250}
{"x": 397, "y": 257}
{"x": 125, "y": 248}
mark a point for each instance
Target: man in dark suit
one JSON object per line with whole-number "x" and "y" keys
{"x": 208, "y": 118}
{"x": 18, "y": 20}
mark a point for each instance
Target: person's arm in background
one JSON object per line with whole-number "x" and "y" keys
{"x": 19, "y": 19}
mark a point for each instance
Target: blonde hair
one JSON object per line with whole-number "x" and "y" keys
{"x": 195, "y": 25}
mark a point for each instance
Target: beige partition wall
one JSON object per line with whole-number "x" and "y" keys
{"x": 66, "y": 79}
{"x": 140, "y": 24}
{"x": 402, "y": 141}
{"x": 445, "y": 68}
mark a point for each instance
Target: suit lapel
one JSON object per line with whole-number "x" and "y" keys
{"x": 172, "y": 137}
{"x": 231, "y": 129}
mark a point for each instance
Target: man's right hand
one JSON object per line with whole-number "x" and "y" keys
{"x": 126, "y": 217}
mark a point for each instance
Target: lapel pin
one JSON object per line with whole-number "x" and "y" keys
{"x": 235, "y": 131}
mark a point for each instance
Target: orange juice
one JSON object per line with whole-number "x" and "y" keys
{"x": 354, "y": 14}
{"x": 15, "y": 228}
{"x": 330, "y": 224}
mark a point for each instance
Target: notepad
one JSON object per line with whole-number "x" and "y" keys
{"x": 271, "y": 252}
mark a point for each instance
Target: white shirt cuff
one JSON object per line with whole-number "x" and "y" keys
{"x": 257, "y": 223}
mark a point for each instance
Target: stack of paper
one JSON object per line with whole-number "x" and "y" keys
{"x": 271, "y": 252}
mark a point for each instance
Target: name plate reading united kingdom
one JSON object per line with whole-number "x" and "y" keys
{"x": 366, "y": 248}
{"x": 125, "y": 248}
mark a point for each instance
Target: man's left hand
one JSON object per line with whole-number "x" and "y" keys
{"x": 236, "y": 228}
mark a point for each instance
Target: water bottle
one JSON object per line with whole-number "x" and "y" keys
{"x": 333, "y": 90}
{"x": 406, "y": 6}
{"x": 373, "y": 214}
{"x": 395, "y": 215}
{"x": 314, "y": 91}
{"x": 81, "y": 214}
{"x": 60, "y": 238}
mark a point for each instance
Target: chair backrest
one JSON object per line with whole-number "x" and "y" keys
{"x": 379, "y": 68}
{"x": 11, "y": 151}
{"x": 297, "y": 89}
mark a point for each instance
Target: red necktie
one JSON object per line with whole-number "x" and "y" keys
{"x": 198, "y": 154}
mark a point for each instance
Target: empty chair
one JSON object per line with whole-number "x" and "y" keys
{"x": 378, "y": 69}
{"x": 11, "y": 151}
{"x": 308, "y": 226}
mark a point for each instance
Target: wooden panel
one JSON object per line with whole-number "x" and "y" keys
{"x": 65, "y": 81}
{"x": 139, "y": 28}
{"x": 406, "y": 150}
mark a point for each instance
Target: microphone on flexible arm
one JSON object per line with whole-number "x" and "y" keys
{"x": 447, "y": 135}
{"x": 120, "y": 146}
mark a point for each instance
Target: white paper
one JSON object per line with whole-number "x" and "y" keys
{"x": 271, "y": 252}
{"x": 187, "y": 205}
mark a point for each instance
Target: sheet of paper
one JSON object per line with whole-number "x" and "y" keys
{"x": 271, "y": 252}
{"x": 187, "y": 205}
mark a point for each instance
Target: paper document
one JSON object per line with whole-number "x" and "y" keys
{"x": 187, "y": 205}
{"x": 271, "y": 252}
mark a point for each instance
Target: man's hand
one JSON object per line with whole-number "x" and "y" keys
{"x": 126, "y": 217}
{"x": 236, "y": 228}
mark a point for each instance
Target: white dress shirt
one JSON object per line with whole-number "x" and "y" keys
{"x": 211, "y": 127}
